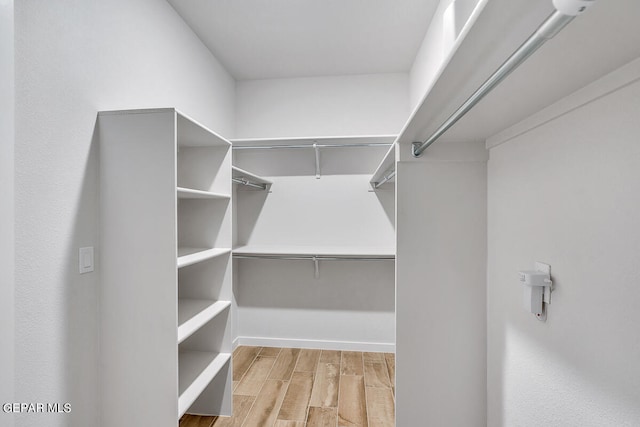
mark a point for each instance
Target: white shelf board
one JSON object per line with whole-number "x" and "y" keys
{"x": 189, "y": 193}
{"x": 196, "y": 369}
{"x": 310, "y": 140}
{"x": 337, "y": 251}
{"x": 188, "y": 256}
{"x": 136, "y": 111}
{"x": 388, "y": 161}
{"x": 241, "y": 173}
{"x": 497, "y": 30}
{"x": 195, "y": 313}
{"x": 194, "y": 134}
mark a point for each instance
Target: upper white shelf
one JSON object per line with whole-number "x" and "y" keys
{"x": 327, "y": 251}
{"x": 193, "y": 134}
{"x": 327, "y": 142}
{"x": 189, "y": 193}
{"x": 310, "y": 140}
{"x": 188, "y": 256}
{"x": 190, "y": 133}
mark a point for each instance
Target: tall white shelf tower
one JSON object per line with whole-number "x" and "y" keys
{"x": 165, "y": 263}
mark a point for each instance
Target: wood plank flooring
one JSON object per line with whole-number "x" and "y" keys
{"x": 286, "y": 387}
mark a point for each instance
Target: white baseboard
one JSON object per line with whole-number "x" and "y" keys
{"x": 315, "y": 344}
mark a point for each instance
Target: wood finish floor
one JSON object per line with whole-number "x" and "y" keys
{"x": 286, "y": 387}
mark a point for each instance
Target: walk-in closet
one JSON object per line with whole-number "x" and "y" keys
{"x": 390, "y": 213}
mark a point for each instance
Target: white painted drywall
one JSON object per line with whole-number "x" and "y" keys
{"x": 329, "y": 106}
{"x": 74, "y": 58}
{"x": 336, "y": 210}
{"x": 7, "y": 109}
{"x": 446, "y": 24}
{"x": 441, "y": 287}
{"x": 350, "y": 306}
{"x": 565, "y": 192}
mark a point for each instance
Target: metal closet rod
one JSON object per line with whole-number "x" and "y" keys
{"x": 271, "y": 147}
{"x": 248, "y": 183}
{"x": 549, "y": 28}
{"x": 314, "y": 258}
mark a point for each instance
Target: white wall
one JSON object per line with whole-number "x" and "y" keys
{"x": 441, "y": 291}
{"x": 339, "y": 209}
{"x": 332, "y": 211}
{"x": 564, "y": 190}
{"x": 445, "y": 27}
{"x": 7, "y": 110}
{"x": 313, "y": 106}
{"x": 73, "y": 59}
{"x": 349, "y": 307}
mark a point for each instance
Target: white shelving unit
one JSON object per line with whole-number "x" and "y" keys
{"x": 166, "y": 268}
{"x": 318, "y": 238}
{"x": 343, "y": 161}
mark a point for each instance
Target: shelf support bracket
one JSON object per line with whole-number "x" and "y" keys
{"x": 317, "y": 151}
{"x": 316, "y": 264}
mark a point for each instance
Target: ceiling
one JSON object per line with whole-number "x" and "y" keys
{"x": 261, "y": 39}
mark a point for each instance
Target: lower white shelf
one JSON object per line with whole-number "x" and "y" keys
{"x": 195, "y": 313}
{"x": 191, "y": 193}
{"x": 188, "y": 256}
{"x": 196, "y": 369}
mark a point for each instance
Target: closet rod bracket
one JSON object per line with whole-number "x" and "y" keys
{"x": 316, "y": 264}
